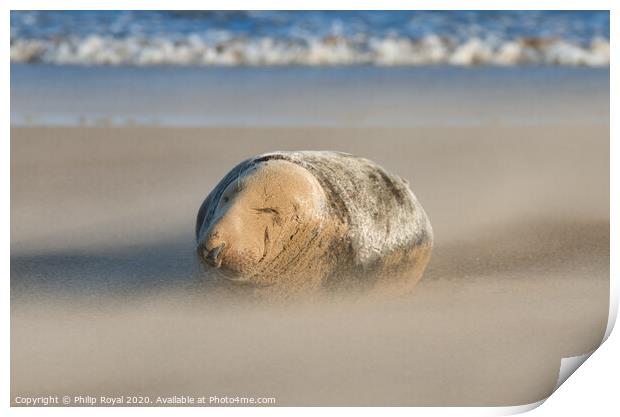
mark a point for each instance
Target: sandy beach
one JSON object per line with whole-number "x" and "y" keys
{"x": 102, "y": 269}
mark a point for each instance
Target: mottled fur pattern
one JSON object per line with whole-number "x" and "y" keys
{"x": 376, "y": 228}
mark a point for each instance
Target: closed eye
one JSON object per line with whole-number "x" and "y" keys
{"x": 267, "y": 210}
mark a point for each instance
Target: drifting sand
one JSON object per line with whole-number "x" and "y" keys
{"x": 102, "y": 269}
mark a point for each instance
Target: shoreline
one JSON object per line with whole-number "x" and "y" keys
{"x": 361, "y": 96}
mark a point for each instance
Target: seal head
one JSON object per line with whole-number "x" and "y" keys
{"x": 266, "y": 222}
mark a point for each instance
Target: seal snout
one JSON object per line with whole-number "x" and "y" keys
{"x": 213, "y": 256}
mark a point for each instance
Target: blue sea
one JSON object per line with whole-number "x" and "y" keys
{"x": 312, "y": 38}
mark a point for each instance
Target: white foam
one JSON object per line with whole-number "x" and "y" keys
{"x": 473, "y": 52}
{"x": 332, "y": 50}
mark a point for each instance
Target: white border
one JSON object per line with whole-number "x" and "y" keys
{"x": 590, "y": 391}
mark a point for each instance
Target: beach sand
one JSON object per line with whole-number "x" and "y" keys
{"x": 102, "y": 269}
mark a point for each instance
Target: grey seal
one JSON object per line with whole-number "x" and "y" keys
{"x": 290, "y": 221}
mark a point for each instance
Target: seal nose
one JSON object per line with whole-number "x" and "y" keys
{"x": 213, "y": 256}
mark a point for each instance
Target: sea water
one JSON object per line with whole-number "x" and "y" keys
{"x": 385, "y": 38}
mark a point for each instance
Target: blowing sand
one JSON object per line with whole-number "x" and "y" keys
{"x": 103, "y": 268}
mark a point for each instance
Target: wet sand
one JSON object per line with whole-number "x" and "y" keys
{"x": 102, "y": 269}
{"x": 357, "y": 96}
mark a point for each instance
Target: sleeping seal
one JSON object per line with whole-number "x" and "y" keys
{"x": 287, "y": 221}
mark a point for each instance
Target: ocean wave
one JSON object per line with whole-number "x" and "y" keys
{"x": 329, "y": 50}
